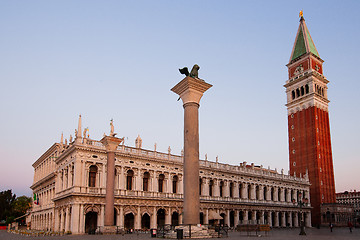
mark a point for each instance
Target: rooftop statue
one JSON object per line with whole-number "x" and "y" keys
{"x": 194, "y": 71}
{"x": 112, "y": 134}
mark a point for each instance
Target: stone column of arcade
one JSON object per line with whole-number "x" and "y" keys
{"x": 110, "y": 142}
{"x": 190, "y": 90}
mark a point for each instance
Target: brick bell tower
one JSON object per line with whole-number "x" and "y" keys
{"x": 308, "y": 121}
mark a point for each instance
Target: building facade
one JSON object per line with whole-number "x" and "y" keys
{"x": 70, "y": 180}
{"x": 308, "y": 121}
{"x": 350, "y": 198}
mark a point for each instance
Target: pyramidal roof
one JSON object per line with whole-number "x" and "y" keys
{"x": 303, "y": 42}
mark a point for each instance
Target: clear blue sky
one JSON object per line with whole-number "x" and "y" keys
{"x": 119, "y": 59}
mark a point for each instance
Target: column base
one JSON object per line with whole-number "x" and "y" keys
{"x": 197, "y": 231}
{"x": 109, "y": 230}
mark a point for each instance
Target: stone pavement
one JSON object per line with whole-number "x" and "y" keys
{"x": 275, "y": 234}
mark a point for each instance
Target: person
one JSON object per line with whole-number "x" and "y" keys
{"x": 350, "y": 226}
{"x": 331, "y": 227}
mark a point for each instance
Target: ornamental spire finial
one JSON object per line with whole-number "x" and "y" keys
{"x": 301, "y": 15}
{"x": 78, "y": 134}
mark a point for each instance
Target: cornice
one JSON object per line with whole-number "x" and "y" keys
{"x": 45, "y": 179}
{"x": 51, "y": 150}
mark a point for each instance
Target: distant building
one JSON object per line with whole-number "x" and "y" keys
{"x": 70, "y": 179}
{"x": 308, "y": 121}
{"x": 351, "y": 199}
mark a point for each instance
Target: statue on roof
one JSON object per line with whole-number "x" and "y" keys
{"x": 112, "y": 134}
{"x": 84, "y": 133}
{"x": 194, "y": 71}
{"x": 138, "y": 142}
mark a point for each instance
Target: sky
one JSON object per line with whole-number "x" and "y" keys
{"x": 119, "y": 59}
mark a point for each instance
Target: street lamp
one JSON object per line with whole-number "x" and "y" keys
{"x": 303, "y": 202}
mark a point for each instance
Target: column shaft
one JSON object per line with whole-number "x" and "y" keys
{"x": 109, "y": 197}
{"x": 191, "y": 164}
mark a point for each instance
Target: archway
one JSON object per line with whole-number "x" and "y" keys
{"x": 287, "y": 223}
{"x": 175, "y": 219}
{"x": 273, "y": 219}
{"x": 250, "y": 217}
{"x": 115, "y": 216}
{"x": 145, "y": 221}
{"x": 258, "y": 217}
{"x": 161, "y": 217}
{"x": 266, "y": 218}
{"x": 232, "y": 219}
{"x": 241, "y": 217}
{"x": 222, "y": 221}
{"x": 201, "y": 218}
{"x": 129, "y": 221}
{"x": 90, "y": 222}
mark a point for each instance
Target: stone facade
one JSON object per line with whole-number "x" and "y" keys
{"x": 70, "y": 181}
{"x": 337, "y": 214}
{"x": 350, "y": 198}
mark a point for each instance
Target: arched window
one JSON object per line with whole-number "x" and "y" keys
{"x": 297, "y": 93}
{"x": 174, "y": 184}
{"x": 231, "y": 186}
{"x": 221, "y": 188}
{"x": 161, "y": 182}
{"x": 293, "y": 94}
{"x": 249, "y": 191}
{"x": 240, "y": 192}
{"x": 272, "y": 194}
{"x": 279, "y": 194}
{"x": 302, "y": 91}
{"x": 115, "y": 181}
{"x": 306, "y": 88}
{"x": 286, "y": 195}
{"x": 257, "y": 192}
{"x": 211, "y": 184}
{"x": 129, "y": 180}
{"x": 92, "y": 175}
{"x": 200, "y": 184}
{"x": 146, "y": 181}
{"x": 264, "y": 192}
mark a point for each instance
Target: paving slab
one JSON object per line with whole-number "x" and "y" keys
{"x": 275, "y": 234}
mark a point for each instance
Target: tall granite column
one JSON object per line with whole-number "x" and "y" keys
{"x": 110, "y": 144}
{"x": 190, "y": 91}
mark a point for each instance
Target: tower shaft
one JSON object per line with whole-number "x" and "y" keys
{"x": 308, "y": 121}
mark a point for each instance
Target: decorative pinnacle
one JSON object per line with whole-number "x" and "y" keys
{"x": 301, "y": 15}
{"x": 79, "y": 128}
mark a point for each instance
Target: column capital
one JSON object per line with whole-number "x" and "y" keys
{"x": 190, "y": 89}
{"x": 111, "y": 143}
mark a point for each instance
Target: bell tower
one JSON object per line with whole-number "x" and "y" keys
{"x": 308, "y": 121}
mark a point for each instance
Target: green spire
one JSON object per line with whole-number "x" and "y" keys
{"x": 303, "y": 42}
